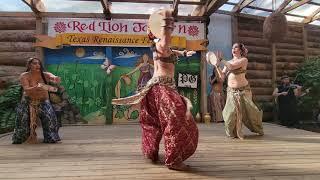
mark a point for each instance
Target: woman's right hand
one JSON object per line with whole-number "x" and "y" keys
{"x": 219, "y": 55}
{"x": 284, "y": 93}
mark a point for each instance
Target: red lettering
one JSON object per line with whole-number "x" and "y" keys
{"x": 182, "y": 29}
{"x": 138, "y": 27}
{"x": 115, "y": 27}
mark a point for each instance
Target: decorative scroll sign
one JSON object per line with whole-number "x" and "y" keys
{"x": 187, "y": 80}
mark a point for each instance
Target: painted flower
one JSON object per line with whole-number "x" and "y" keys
{"x": 193, "y": 30}
{"x": 60, "y": 27}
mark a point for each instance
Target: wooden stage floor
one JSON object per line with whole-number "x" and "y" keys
{"x": 113, "y": 152}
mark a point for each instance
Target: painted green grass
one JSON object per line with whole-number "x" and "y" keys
{"x": 87, "y": 85}
{"x": 91, "y": 89}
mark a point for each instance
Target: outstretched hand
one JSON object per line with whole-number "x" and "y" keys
{"x": 219, "y": 55}
{"x": 190, "y": 53}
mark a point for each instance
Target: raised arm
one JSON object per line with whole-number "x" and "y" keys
{"x": 235, "y": 64}
{"x": 184, "y": 53}
{"x": 220, "y": 73}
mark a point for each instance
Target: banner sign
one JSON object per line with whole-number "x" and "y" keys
{"x": 191, "y": 31}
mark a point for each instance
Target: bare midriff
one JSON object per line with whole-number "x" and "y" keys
{"x": 37, "y": 93}
{"x": 237, "y": 80}
{"x": 163, "y": 69}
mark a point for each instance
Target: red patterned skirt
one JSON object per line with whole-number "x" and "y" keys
{"x": 163, "y": 113}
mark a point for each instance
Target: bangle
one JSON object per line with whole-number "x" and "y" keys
{"x": 185, "y": 53}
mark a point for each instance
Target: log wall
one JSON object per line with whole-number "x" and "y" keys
{"x": 16, "y": 45}
{"x": 313, "y": 41}
{"x": 299, "y": 43}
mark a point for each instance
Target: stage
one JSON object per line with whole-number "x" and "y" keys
{"x": 113, "y": 152}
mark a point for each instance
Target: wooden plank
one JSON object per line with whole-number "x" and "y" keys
{"x": 235, "y": 31}
{"x": 250, "y": 33}
{"x": 287, "y": 65}
{"x": 293, "y": 52}
{"x": 313, "y": 45}
{"x": 17, "y": 35}
{"x": 259, "y": 66}
{"x": 214, "y": 5}
{"x": 16, "y": 46}
{"x": 259, "y": 50}
{"x": 39, "y": 30}
{"x": 313, "y": 39}
{"x": 259, "y": 58}
{"x": 290, "y": 40}
{"x": 159, "y": 2}
{"x": 288, "y": 46}
{"x": 260, "y": 74}
{"x": 254, "y": 41}
{"x": 113, "y": 16}
{"x": 294, "y": 6}
{"x": 36, "y": 6}
{"x": 310, "y": 18}
{"x": 313, "y": 51}
{"x": 305, "y": 41}
{"x": 106, "y": 9}
{"x": 288, "y": 58}
{"x": 17, "y": 14}
{"x": 274, "y": 66}
{"x": 262, "y": 91}
{"x": 17, "y": 23}
{"x": 95, "y": 154}
{"x": 175, "y": 5}
{"x": 11, "y": 70}
{"x": 15, "y": 58}
{"x": 241, "y": 5}
{"x": 260, "y": 82}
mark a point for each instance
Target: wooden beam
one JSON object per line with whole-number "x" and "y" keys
{"x": 113, "y": 16}
{"x": 235, "y": 28}
{"x": 296, "y": 5}
{"x": 264, "y": 9}
{"x": 242, "y": 4}
{"x": 151, "y": 1}
{"x": 39, "y": 30}
{"x": 106, "y": 9}
{"x": 175, "y": 7}
{"x": 36, "y": 6}
{"x": 274, "y": 65}
{"x": 312, "y": 17}
{"x": 213, "y": 6}
{"x": 305, "y": 41}
{"x": 283, "y": 5}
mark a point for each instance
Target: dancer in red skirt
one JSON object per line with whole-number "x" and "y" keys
{"x": 164, "y": 112}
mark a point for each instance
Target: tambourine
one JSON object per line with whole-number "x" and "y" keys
{"x": 212, "y": 58}
{"x": 160, "y": 19}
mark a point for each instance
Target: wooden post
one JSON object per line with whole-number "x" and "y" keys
{"x": 203, "y": 77}
{"x": 39, "y": 30}
{"x": 305, "y": 41}
{"x": 274, "y": 65}
{"x": 234, "y": 26}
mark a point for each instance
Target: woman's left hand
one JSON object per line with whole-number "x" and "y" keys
{"x": 190, "y": 53}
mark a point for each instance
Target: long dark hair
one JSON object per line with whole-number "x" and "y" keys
{"x": 29, "y": 61}
{"x": 243, "y": 49}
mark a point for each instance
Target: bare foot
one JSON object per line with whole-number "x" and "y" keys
{"x": 180, "y": 167}
{"x": 150, "y": 161}
{"x": 261, "y": 133}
